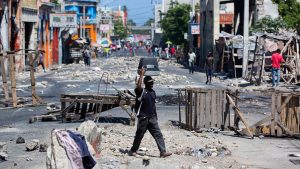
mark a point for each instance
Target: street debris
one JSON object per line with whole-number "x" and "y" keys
{"x": 32, "y": 145}
{"x": 3, "y": 151}
{"x": 20, "y": 140}
{"x": 43, "y": 148}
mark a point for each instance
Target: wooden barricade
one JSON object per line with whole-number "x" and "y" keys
{"x": 206, "y": 108}
{"x": 284, "y": 118}
{"x": 287, "y": 114}
{"x": 73, "y": 105}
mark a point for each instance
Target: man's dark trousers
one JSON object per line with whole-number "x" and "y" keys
{"x": 144, "y": 124}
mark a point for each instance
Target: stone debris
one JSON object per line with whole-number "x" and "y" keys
{"x": 52, "y": 106}
{"x": 32, "y": 145}
{"x": 3, "y": 151}
{"x": 20, "y": 140}
{"x": 146, "y": 160}
{"x": 92, "y": 134}
{"x": 29, "y": 159}
{"x": 3, "y": 156}
{"x": 3, "y": 146}
{"x": 125, "y": 69}
{"x": 43, "y": 148}
{"x": 209, "y": 151}
{"x": 204, "y": 161}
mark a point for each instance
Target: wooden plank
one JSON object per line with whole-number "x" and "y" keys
{"x": 186, "y": 107}
{"x": 77, "y": 108}
{"x": 297, "y": 114}
{"x": 4, "y": 79}
{"x": 294, "y": 125}
{"x": 199, "y": 111}
{"x": 213, "y": 108}
{"x": 219, "y": 108}
{"x": 90, "y": 109}
{"x": 273, "y": 114}
{"x": 222, "y": 108}
{"x": 208, "y": 110}
{"x": 236, "y": 109}
{"x": 202, "y": 110}
{"x": 195, "y": 110}
{"x": 83, "y": 110}
{"x": 226, "y": 117}
{"x": 284, "y": 128}
{"x": 278, "y": 104}
{"x": 286, "y": 100}
{"x": 179, "y": 106}
{"x": 13, "y": 80}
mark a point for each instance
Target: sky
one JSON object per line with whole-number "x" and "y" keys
{"x": 138, "y": 10}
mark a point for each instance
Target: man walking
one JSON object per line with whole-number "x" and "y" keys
{"x": 147, "y": 116}
{"x": 191, "y": 60}
{"x": 41, "y": 59}
{"x": 276, "y": 60}
{"x": 209, "y": 65}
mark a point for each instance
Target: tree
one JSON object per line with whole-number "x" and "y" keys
{"x": 289, "y": 10}
{"x": 130, "y": 22}
{"x": 149, "y": 22}
{"x": 175, "y": 23}
{"x": 269, "y": 25}
{"x": 119, "y": 29}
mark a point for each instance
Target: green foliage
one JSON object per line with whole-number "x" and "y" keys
{"x": 289, "y": 10}
{"x": 269, "y": 25}
{"x": 175, "y": 23}
{"x": 148, "y": 22}
{"x": 130, "y": 22}
{"x": 120, "y": 30}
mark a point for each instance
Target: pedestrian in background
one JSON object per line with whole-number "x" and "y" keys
{"x": 209, "y": 65}
{"x": 87, "y": 56}
{"x": 276, "y": 60}
{"x": 147, "y": 116}
{"x": 173, "y": 51}
{"x": 191, "y": 61}
{"x": 41, "y": 59}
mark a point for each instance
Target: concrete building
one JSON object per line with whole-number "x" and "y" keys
{"x": 86, "y": 11}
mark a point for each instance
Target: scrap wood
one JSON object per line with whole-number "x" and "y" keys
{"x": 42, "y": 118}
{"x": 284, "y": 128}
{"x": 257, "y": 124}
{"x": 240, "y": 114}
{"x": 286, "y": 100}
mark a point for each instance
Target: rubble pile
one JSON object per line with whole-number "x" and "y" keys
{"x": 119, "y": 70}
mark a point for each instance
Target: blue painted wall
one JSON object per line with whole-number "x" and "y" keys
{"x": 90, "y": 11}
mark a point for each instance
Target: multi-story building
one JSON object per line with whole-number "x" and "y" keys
{"x": 86, "y": 11}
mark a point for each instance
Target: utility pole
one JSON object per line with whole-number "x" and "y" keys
{"x": 84, "y": 21}
{"x": 198, "y": 20}
{"x": 246, "y": 37}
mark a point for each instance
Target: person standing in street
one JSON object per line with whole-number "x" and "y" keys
{"x": 276, "y": 60}
{"x": 41, "y": 59}
{"x": 147, "y": 116}
{"x": 191, "y": 61}
{"x": 209, "y": 65}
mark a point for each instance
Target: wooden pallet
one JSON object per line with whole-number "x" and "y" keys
{"x": 205, "y": 108}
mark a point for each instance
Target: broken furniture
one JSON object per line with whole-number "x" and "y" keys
{"x": 74, "y": 105}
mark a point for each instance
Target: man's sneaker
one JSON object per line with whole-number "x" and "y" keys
{"x": 131, "y": 153}
{"x": 165, "y": 154}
